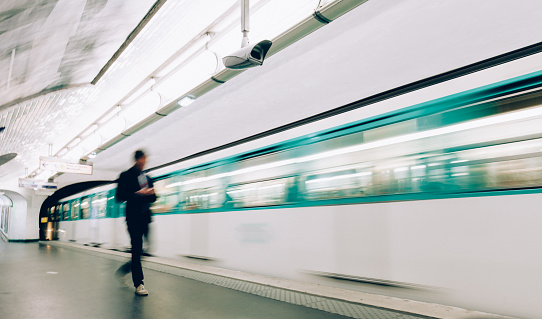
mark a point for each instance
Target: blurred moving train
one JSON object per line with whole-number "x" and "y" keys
{"x": 441, "y": 197}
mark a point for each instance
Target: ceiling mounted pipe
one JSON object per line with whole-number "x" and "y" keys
{"x": 331, "y": 11}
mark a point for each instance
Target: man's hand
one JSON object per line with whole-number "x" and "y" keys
{"x": 146, "y": 191}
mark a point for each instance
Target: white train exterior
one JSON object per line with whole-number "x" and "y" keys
{"x": 437, "y": 201}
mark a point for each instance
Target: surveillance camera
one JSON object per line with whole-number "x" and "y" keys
{"x": 247, "y": 57}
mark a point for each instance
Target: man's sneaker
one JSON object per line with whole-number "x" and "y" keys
{"x": 140, "y": 290}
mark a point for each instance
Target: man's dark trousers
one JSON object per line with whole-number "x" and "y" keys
{"x": 137, "y": 231}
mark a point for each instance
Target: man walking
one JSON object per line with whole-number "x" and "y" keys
{"x": 137, "y": 190}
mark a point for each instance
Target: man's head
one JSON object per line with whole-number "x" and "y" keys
{"x": 140, "y": 159}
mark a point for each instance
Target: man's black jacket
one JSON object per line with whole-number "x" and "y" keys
{"x": 137, "y": 206}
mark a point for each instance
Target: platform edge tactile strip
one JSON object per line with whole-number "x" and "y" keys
{"x": 301, "y": 299}
{"x": 276, "y": 289}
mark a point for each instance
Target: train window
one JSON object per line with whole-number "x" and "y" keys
{"x": 75, "y": 209}
{"x": 66, "y": 211}
{"x": 337, "y": 184}
{"x": 58, "y": 213}
{"x": 85, "y": 208}
{"x": 111, "y": 203}
{"x": 202, "y": 198}
{"x": 99, "y": 204}
{"x": 518, "y": 173}
{"x": 168, "y": 196}
{"x": 265, "y": 180}
{"x": 262, "y": 193}
{"x": 503, "y": 166}
{"x": 198, "y": 190}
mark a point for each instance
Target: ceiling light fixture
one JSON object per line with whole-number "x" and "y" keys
{"x": 187, "y": 100}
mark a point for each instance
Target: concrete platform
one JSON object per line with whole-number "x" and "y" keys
{"x": 64, "y": 280}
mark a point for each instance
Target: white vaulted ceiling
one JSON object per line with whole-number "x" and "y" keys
{"x": 52, "y": 44}
{"x": 50, "y": 51}
{"x": 66, "y": 64}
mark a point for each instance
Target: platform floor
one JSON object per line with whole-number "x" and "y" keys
{"x": 68, "y": 280}
{"x": 44, "y": 281}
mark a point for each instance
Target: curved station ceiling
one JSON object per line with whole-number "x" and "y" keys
{"x": 77, "y": 73}
{"x": 51, "y": 50}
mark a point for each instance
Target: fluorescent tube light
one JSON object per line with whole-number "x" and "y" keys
{"x": 186, "y": 101}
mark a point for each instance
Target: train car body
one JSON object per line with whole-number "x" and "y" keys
{"x": 439, "y": 201}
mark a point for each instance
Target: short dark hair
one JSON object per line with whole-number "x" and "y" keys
{"x": 139, "y": 154}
